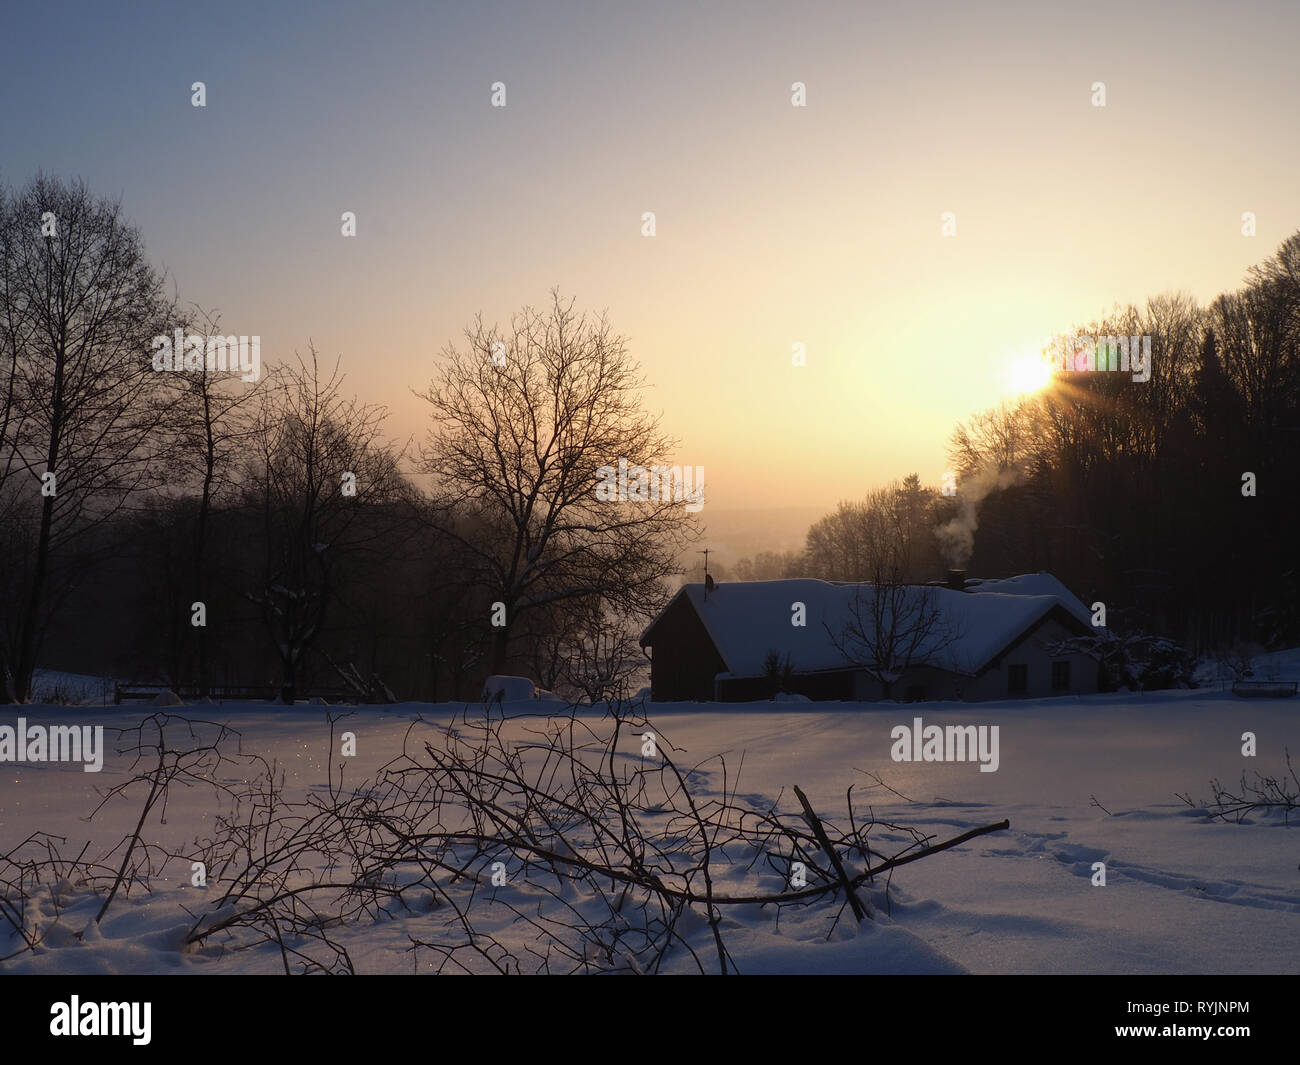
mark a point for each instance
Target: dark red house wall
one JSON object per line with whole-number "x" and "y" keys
{"x": 683, "y": 660}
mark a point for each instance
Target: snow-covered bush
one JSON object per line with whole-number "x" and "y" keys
{"x": 1238, "y": 660}
{"x": 508, "y": 689}
{"x": 1138, "y": 661}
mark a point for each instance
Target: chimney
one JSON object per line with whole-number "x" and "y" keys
{"x": 956, "y": 580}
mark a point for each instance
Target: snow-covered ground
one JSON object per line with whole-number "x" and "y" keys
{"x": 71, "y": 689}
{"x": 1270, "y": 665}
{"x": 1183, "y": 893}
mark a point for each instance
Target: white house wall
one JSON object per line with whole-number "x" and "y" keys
{"x": 1033, "y": 653}
{"x": 941, "y": 685}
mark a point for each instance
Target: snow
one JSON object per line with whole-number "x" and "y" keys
{"x": 1271, "y": 665}
{"x": 508, "y": 689}
{"x": 1032, "y": 584}
{"x": 748, "y": 619}
{"x": 1184, "y": 894}
{"x": 55, "y": 686}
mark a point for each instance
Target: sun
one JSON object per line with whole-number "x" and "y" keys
{"x": 1030, "y": 373}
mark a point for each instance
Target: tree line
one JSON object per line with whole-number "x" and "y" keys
{"x": 205, "y": 529}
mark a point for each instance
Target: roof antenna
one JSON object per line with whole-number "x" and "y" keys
{"x": 708, "y": 580}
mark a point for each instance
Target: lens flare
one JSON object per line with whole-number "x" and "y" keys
{"x": 1031, "y": 373}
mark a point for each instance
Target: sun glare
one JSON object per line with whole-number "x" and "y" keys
{"x": 1028, "y": 374}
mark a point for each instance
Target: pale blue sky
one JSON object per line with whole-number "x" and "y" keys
{"x": 775, "y": 224}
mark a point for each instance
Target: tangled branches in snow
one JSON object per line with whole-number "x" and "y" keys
{"x": 582, "y": 842}
{"x": 34, "y": 875}
{"x": 1265, "y": 794}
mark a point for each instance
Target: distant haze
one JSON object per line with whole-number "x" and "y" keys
{"x": 735, "y": 534}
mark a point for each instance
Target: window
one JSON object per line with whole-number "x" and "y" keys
{"x": 1017, "y": 680}
{"x": 1060, "y": 676}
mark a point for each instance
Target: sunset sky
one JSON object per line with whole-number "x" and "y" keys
{"x": 775, "y": 224}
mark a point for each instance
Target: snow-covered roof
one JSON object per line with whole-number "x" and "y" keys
{"x": 747, "y": 620}
{"x": 1033, "y": 584}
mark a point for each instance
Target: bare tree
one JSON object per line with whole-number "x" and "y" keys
{"x": 837, "y": 545}
{"x": 212, "y": 419}
{"x": 892, "y": 627}
{"x": 1000, "y": 438}
{"x": 894, "y": 522}
{"x": 599, "y": 654}
{"x": 79, "y": 306}
{"x": 523, "y": 421}
{"x": 326, "y": 486}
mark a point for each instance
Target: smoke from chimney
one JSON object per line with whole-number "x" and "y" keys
{"x": 957, "y": 537}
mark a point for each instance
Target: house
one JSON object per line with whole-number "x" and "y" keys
{"x": 989, "y": 639}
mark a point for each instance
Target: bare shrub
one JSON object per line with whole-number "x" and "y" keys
{"x": 610, "y": 853}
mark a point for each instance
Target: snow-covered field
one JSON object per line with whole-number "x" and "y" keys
{"x": 1183, "y": 893}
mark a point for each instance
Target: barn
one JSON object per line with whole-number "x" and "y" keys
{"x": 999, "y": 641}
